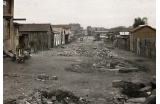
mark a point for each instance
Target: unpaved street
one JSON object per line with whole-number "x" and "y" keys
{"x": 79, "y": 66}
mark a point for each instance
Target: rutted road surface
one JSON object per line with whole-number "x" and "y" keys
{"x": 90, "y": 82}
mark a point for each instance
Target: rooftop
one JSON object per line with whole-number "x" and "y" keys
{"x": 34, "y": 27}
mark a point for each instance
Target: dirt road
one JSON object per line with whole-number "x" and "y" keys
{"x": 96, "y": 86}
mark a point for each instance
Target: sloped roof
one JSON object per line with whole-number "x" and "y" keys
{"x": 34, "y": 27}
{"x": 140, "y": 27}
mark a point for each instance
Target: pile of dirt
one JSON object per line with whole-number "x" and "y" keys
{"x": 53, "y": 97}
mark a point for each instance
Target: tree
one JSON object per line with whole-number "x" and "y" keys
{"x": 138, "y": 21}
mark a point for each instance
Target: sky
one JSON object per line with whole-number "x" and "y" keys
{"x": 95, "y": 13}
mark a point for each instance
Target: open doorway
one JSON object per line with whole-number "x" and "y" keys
{"x": 66, "y": 39}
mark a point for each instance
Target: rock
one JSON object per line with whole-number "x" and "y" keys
{"x": 127, "y": 70}
{"x": 53, "y": 98}
{"x": 136, "y": 100}
{"x": 43, "y": 77}
{"x": 49, "y": 102}
{"x": 114, "y": 70}
{"x": 150, "y": 100}
{"x": 139, "y": 84}
{"x": 146, "y": 89}
{"x": 10, "y": 101}
{"x": 121, "y": 65}
{"x": 117, "y": 83}
{"x": 44, "y": 100}
{"x": 94, "y": 47}
{"x": 79, "y": 60}
{"x": 54, "y": 78}
{"x": 132, "y": 89}
{"x": 22, "y": 102}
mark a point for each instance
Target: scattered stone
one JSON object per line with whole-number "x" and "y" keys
{"x": 10, "y": 101}
{"x": 150, "y": 100}
{"x": 43, "y": 77}
{"x": 121, "y": 65}
{"x": 79, "y": 60}
{"x": 114, "y": 70}
{"x": 103, "y": 69}
{"x": 5, "y": 75}
{"x": 132, "y": 90}
{"x": 62, "y": 47}
{"x": 94, "y": 47}
{"x": 146, "y": 89}
{"x": 15, "y": 75}
{"x": 117, "y": 83}
{"x": 53, "y": 98}
{"x": 49, "y": 102}
{"x": 127, "y": 70}
{"x": 22, "y": 102}
{"x": 149, "y": 93}
{"x": 139, "y": 84}
{"x": 136, "y": 100}
{"x": 54, "y": 78}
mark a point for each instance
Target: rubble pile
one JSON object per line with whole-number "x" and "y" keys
{"x": 44, "y": 77}
{"x": 53, "y": 97}
{"x": 101, "y": 58}
{"x": 137, "y": 92}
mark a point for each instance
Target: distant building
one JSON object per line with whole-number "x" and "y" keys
{"x": 62, "y": 34}
{"x": 76, "y": 28}
{"x": 89, "y": 30}
{"x": 123, "y": 40}
{"x": 57, "y": 37}
{"x": 35, "y": 36}
{"x": 100, "y": 35}
{"x": 143, "y": 41}
{"x": 85, "y": 32}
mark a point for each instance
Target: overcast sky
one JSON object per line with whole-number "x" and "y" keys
{"x": 96, "y": 13}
